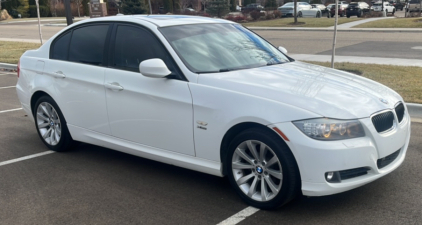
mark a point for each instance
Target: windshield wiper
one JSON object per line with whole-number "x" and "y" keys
{"x": 224, "y": 70}
{"x": 274, "y": 63}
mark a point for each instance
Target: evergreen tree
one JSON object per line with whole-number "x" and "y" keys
{"x": 85, "y": 7}
{"x": 218, "y": 8}
{"x": 233, "y": 5}
{"x": 130, "y": 7}
{"x": 271, "y": 4}
{"x": 15, "y": 7}
{"x": 168, "y": 5}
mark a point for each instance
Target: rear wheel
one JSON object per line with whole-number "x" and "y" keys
{"x": 318, "y": 15}
{"x": 394, "y": 10}
{"x": 262, "y": 169}
{"x": 299, "y": 14}
{"x": 51, "y": 125}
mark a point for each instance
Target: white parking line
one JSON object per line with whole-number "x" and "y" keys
{"x": 10, "y": 110}
{"x": 25, "y": 158}
{"x": 236, "y": 218}
{"x": 7, "y": 87}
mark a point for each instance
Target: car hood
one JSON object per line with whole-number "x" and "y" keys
{"x": 328, "y": 92}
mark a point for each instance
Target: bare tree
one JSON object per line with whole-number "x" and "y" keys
{"x": 204, "y": 2}
{"x": 183, "y": 4}
{"x": 295, "y": 11}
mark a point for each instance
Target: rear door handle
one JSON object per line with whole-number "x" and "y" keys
{"x": 58, "y": 74}
{"x": 114, "y": 86}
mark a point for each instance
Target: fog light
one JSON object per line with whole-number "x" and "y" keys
{"x": 330, "y": 176}
{"x": 333, "y": 177}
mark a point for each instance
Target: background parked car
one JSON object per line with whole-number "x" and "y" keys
{"x": 341, "y": 9}
{"x": 378, "y": 7}
{"x": 357, "y": 9}
{"x": 413, "y": 6}
{"x": 288, "y": 8}
{"x": 320, "y": 6}
{"x": 252, "y": 7}
{"x": 397, "y": 4}
{"x": 328, "y": 9}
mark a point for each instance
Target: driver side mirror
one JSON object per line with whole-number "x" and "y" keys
{"x": 283, "y": 50}
{"x": 154, "y": 68}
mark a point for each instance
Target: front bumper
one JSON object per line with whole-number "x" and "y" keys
{"x": 316, "y": 158}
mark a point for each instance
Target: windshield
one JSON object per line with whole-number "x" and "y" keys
{"x": 208, "y": 48}
{"x": 353, "y": 4}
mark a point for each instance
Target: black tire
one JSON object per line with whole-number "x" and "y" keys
{"x": 348, "y": 16}
{"x": 299, "y": 14}
{"x": 318, "y": 15}
{"x": 394, "y": 11}
{"x": 291, "y": 183}
{"x": 342, "y": 14}
{"x": 66, "y": 142}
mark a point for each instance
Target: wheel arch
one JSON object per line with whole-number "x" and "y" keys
{"x": 235, "y": 130}
{"x": 35, "y": 97}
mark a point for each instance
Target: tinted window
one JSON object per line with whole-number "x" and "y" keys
{"x": 134, "y": 45}
{"x": 60, "y": 47}
{"x": 87, "y": 44}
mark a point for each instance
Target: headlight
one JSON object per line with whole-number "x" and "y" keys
{"x": 330, "y": 129}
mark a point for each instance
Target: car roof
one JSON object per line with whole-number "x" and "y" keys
{"x": 160, "y": 20}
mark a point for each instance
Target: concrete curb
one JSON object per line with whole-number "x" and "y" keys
{"x": 383, "y": 30}
{"x": 8, "y": 66}
{"x": 415, "y": 110}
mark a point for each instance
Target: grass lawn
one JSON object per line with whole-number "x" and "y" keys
{"x": 304, "y": 22}
{"x": 405, "y": 80}
{"x": 393, "y": 23}
{"x": 10, "y": 51}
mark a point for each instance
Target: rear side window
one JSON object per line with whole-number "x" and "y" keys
{"x": 60, "y": 47}
{"x": 87, "y": 44}
{"x": 134, "y": 45}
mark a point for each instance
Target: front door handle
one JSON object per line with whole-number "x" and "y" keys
{"x": 114, "y": 86}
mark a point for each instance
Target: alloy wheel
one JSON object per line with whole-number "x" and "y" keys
{"x": 257, "y": 170}
{"x": 48, "y": 123}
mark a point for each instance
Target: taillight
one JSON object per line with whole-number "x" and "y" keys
{"x": 19, "y": 67}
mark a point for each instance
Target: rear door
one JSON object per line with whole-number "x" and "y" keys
{"x": 77, "y": 64}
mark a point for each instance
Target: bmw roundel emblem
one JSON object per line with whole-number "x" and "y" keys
{"x": 384, "y": 100}
{"x": 259, "y": 169}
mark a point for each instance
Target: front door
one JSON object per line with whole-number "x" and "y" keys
{"x": 155, "y": 112}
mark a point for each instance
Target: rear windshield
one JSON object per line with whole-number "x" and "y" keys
{"x": 414, "y": 1}
{"x": 354, "y": 3}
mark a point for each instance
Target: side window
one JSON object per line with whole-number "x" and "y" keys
{"x": 134, "y": 45}
{"x": 60, "y": 47}
{"x": 87, "y": 44}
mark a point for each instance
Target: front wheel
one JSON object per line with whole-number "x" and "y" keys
{"x": 318, "y": 15}
{"x": 51, "y": 125}
{"x": 262, "y": 169}
{"x": 394, "y": 11}
{"x": 299, "y": 14}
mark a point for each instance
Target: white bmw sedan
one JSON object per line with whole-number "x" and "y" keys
{"x": 212, "y": 96}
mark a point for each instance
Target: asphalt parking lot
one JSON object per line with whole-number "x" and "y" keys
{"x": 94, "y": 185}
